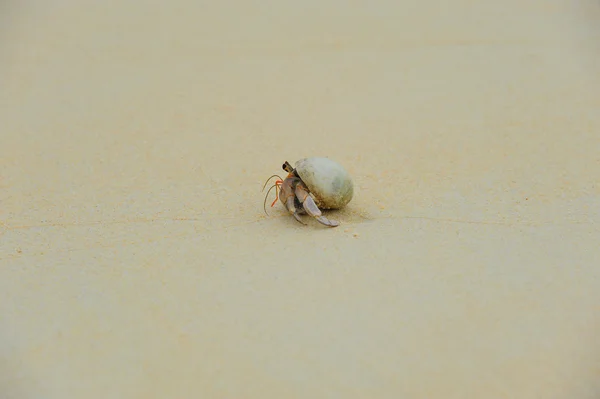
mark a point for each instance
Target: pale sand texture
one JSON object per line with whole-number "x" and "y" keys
{"x": 135, "y": 257}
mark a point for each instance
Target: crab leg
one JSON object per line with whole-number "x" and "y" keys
{"x": 287, "y": 197}
{"x": 310, "y": 207}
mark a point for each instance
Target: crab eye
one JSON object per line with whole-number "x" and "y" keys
{"x": 283, "y": 167}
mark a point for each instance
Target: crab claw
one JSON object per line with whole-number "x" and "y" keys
{"x": 311, "y": 208}
{"x": 287, "y": 197}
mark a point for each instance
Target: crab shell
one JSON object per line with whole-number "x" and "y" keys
{"x": 329, "y": 183}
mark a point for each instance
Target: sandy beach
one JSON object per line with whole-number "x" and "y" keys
{"x": 136, "y": 260}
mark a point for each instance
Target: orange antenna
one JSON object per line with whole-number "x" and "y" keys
{"x": 279, "y": 177}
{"x": 276, "y": 186}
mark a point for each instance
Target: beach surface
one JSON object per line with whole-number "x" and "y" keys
{"x": 136, "y": 260}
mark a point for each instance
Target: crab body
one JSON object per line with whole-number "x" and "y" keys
{"x": 315, "y": 184}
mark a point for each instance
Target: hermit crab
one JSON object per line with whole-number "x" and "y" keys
{"x": 314, "y": 184}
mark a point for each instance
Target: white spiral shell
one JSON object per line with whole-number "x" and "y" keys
{"x": 329, "y": 183}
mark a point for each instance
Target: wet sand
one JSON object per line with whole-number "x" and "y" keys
{"x": 135, "y": 257}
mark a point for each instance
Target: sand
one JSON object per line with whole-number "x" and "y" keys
{"x": 135, "y": 257}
